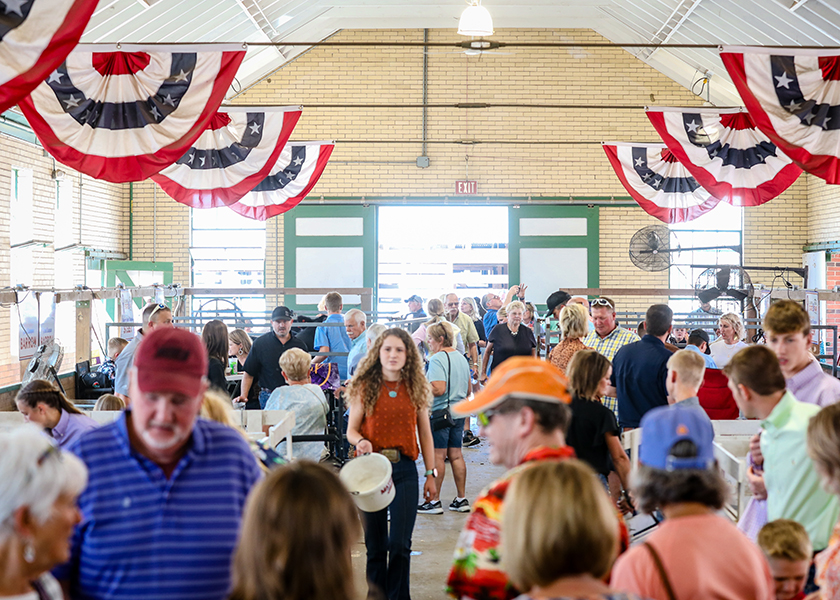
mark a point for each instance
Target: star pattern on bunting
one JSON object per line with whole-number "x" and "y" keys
{"x": 783, "y": 81}
{"x": 255, "y": 128}
{"x": 14, "y": 6}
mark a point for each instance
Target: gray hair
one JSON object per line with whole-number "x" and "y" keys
{"x": 356, "y": 315}
{"x": 373, "y": 332}
{"x": 34, "y": 473}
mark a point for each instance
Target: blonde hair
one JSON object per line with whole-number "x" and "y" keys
{"x": 515, "y": 305}
{"x": 109, "y": 402}
{"x": 501, "y": 313}
{"x": 434, "y": 308}
{"x": 474, "y": 315}
{"x": 735, "y": 321}
{"x": 823, "y": 442}
{"x": 557, "y": 521}
{"x": 367, "y": 382}
{"x": 442, "y": 332}
{"x": 574, "y": 321}
{"x": 689, "y": 365}
{"x": 116, "y": 345}
{"x": 241, "y": 338}
{"x": 299, "y": 519}
{"x": 785, "y": 539}
{"x": 295, "y": 363}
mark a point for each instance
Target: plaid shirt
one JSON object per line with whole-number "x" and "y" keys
{"x": 608, "y": 346}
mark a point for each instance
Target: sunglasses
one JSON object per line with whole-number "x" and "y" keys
{"x": 601, "y": 302}
{"x": 157, "y": 308}
{"x": 485, "y": 417}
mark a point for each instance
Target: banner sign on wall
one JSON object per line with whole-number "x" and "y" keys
{"x": 37, "y": 323}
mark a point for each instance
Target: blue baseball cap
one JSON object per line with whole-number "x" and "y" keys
{"x": 664, "y": 426}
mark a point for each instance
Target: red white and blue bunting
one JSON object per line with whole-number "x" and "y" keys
{"x": 793, "y": 96}
{"x": 655, "y": 179}
{"x": 297, "y": 171}
{"x": 727, "y": 155}
{"x": 35, "y": 37}
{"x": 125, "y": 115}
{"x": 235, "y": 153}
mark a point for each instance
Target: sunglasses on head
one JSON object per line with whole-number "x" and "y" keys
{"x": 601, "y": 302}
{"x": 157, "y": 308}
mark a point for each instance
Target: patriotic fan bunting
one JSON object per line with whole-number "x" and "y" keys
{"x": 124, "y": 116}
{"x": 235, "y": 153}
{"x": 793, "y": 96}
{"x": 725, "y": 153}
{"x": 292, "y": 178}
{"x": 35, "y": 37}
{"x": 658, "y": 182}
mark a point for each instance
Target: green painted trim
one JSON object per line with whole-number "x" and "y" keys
{"x": 590, "y": 241}
{"x": 367, "y": 241}
{"x": 18, "y": 127}
{"x": 131, "y": 220}
{"x": 452, "y": 199}
{"x": 138, "y": 265}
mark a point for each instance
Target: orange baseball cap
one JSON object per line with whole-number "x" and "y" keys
{"x": 520, "y": 377}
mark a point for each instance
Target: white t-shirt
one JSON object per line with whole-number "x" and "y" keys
{"x": 723, "y": 352}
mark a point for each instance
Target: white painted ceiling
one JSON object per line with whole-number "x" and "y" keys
{"x": 740, "y": 22}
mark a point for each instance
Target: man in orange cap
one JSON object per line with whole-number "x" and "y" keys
{"x": 524, "y": 415}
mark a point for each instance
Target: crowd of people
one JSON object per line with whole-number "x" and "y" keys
{"x": 173, "y": 500}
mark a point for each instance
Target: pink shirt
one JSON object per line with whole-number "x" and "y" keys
{"x": 705, "y": 557}
{"x": 815, "y": 386}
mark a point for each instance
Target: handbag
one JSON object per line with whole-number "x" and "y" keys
{"x": 666, "y": 582}
{"x": 441, "y": 419}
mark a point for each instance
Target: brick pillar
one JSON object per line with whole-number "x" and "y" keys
{"x": 832, "y": 308}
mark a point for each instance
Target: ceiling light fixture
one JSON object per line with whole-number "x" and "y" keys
{"x": 475, "y": 20}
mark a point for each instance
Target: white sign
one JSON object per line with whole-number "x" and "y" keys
{"x": 812, "y": 305}
{"x": 37, "y": 323}
{"x": 126, "y": 314}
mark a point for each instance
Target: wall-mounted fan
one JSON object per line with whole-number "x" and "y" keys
{"x": 653, "y": 248}
{"x": 45, "y": 364}
{"x": 724, "y": 281}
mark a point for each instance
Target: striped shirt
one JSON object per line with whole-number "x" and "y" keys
{"x": 608, "y": 346}
{"x": 146, "y": 537}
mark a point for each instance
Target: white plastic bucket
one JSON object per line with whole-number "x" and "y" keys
{"x": 368, "y": 479}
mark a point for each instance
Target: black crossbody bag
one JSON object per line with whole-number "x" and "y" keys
{"x": 441, "y": 419}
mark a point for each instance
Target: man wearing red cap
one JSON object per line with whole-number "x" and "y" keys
{"x": 524, "y": 415}
{"x": 166, "y": 490}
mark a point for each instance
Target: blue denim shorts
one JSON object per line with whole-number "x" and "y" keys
{"x": 449, "y": 437}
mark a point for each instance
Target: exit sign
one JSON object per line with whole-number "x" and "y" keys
{"x": 466, "y": 188}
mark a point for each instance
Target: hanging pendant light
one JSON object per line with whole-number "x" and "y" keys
{"x": 475, "y": 20}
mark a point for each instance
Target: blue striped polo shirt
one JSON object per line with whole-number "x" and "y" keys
{"x": 146, "y": 537}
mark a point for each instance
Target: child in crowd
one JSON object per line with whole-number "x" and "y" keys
{"x": 787, "y": 548}
{"x": 109, "y": 402}
{"x": 108, "y": 368}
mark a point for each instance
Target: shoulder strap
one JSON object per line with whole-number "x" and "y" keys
{"x": 662, "y": 574}
{"x": 448, "y": 373}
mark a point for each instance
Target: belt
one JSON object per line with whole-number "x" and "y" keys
{"x": 391, "y": 454}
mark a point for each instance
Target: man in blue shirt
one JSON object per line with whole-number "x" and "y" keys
{"x": 492, "y": 303}
{"x": 355, "y": 322}
{"x": 333, "y": 339}
{"x": 166, "y": 490}
{"x": 698, "y": 341}
{"x": 640, "y": 369}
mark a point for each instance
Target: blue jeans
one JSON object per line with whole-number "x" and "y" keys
{"x": 264, "y": 396}
{"x": 389, "y": 553}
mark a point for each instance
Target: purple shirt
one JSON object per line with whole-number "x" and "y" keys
{"x": 814, "y": 386}
{"x": 70, "y": 426}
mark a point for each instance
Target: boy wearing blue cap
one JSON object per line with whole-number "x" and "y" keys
{"x": 695, "y": 554}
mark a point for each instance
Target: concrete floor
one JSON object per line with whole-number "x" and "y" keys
{"x": 435, "y": 535}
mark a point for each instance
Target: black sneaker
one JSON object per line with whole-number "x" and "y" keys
{"x": 460, "y": 505}
{"x": 470, "y": 440}
{"x": 430, "y": 508}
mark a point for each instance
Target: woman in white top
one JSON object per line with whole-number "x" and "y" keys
{"x": 435, "y": 309}
{"x": 729, "y": 342}
{"x": 303, "y": 398}
{"x": 38, "y": 512}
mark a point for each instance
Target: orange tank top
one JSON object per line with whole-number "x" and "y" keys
{"x": 393, "y": 423}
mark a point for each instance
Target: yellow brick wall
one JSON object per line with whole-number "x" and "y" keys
{"x": 100, "y": 223}
{"x": 823, "y": 210}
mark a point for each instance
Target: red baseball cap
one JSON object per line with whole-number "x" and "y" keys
{"x": 171, "y": 360}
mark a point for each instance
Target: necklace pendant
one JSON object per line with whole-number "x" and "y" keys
{"x": 392, "y": 394}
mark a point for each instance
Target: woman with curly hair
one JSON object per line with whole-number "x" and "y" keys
{"x": 389, "y": 407}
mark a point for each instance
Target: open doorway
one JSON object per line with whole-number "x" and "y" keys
{"x": 430, "y": 250}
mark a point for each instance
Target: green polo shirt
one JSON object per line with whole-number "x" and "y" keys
{"x": 467, "y": 327}
{"x": 794, "y": 490}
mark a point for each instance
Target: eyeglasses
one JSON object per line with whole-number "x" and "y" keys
{"x": 485, "y": 417}
{"x": 602, "y": 302}
{"x": 156, "y": 309}
{"x": 451, "y": 304}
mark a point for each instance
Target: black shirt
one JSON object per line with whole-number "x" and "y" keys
{"x": 263, "y": 363}
{"x": 479, "y": 329}
{"x": 216, "y": 374}
{"x": 639, "y": 373}
{"x": 505, "y": 344}
{"x": 253, "y": 402}
{"x": 591, "y": 421}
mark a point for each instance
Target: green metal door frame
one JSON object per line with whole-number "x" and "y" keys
{"x": 116, "y": 271}
{"x": 590, "y": 241}
{"x": 368, "y": 241}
